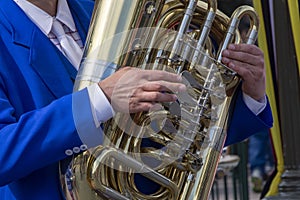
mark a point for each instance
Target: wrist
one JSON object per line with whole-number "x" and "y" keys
{"x": 105, "y": 90}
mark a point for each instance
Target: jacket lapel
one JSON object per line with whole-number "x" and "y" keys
{"x": 53, "y": 68}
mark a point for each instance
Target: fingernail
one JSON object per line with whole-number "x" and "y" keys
{"x": 179, "y": 78}
{"x": 231, "y": 46}
{"x": 225, "y": 53}
{"x": 231, "y": 65}
{"x": 225, "y": 60}
{"x": 182, "y": 88}
{"x": 175, "y": 97}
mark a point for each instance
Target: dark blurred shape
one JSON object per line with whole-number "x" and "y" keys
{"x": 228, "y": 6}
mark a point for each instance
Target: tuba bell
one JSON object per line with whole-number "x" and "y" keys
{"x": 177, "y": 146}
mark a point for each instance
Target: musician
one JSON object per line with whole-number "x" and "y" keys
{"x": 37, "y": 127}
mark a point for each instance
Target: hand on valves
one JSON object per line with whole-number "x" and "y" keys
{"x": 134, "y": 90}
{"x": 248, "y": 61}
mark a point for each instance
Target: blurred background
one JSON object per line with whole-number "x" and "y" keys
{"x": 266, "y": 165}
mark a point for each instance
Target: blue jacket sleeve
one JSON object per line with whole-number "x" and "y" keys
{"x": 244, "y": 122}
{"x": 40, "y": 136}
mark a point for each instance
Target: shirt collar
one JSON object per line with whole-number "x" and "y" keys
{"x": 64, "y": 14}
{"x": 43, "y": 20}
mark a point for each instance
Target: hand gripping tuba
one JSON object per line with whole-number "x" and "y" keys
{"x": 176, "y": 147}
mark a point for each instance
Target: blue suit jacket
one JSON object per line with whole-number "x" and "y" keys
{"x": 36, "y": 106}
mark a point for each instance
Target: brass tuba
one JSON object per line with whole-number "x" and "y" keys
{"x": 176, "y": 147}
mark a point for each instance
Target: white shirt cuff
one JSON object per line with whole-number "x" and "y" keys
{"x": 101, "y": 108}
{"x": 255, "y": 106}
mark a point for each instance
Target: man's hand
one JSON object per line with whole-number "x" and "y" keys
{"x": 133, "y": 90}
{"x": 248, "y": 61}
